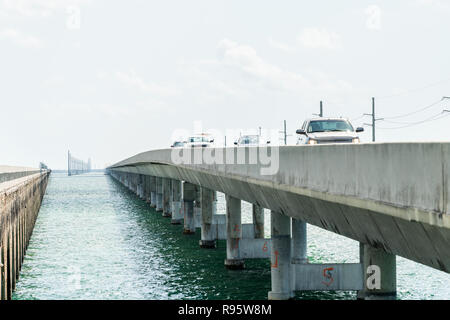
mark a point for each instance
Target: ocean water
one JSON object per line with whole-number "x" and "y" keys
{"x": 94, "y": 239}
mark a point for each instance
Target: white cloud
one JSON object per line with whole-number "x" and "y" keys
{"x": 373, "y": 21}
{"x": 281, "y": 46}
{"x": 36, "y": 8}
{"x": 131, "y": 79}
{"x": 257, "y": 72}
{"x": 319, "y": 38}
{"x": 245, "y": 59}
{"x": 440, "y": 4}
{"x": 20, "y": 39}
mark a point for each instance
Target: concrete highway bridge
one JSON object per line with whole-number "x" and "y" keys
{"x": 391, "y": 197}
{"x": 21, "y": 193}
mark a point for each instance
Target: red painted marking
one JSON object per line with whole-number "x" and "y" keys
{"x": 275, "y": 265}
{"x": 265, "y": 248}
{"x": 328, "y": 275}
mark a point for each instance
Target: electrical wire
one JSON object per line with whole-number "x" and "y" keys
{"x": 416, "y": 111}
{"x": 438, "y": 116}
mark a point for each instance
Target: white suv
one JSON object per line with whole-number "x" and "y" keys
{"x": 250, "y": 140}
{"x": 328, "y": 130}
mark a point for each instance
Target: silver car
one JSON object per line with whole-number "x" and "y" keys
{"x": 328, "y": 130}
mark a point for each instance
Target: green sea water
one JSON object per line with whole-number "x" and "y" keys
{"x": 94, "y": 239}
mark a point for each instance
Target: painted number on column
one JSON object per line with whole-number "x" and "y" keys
{"x": 265, "y": 248}
{"x": 328, "y": 275}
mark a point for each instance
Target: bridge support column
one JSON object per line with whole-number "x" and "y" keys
{"x": 167, "y": 190}
{"x": 234, "y": 233}
{"x": 177, "y": 214}
{"x": 380, "y": 274}
{"x": 189, "y": 194}
{"x": 208, "y": 237}
{"x": 147, "y": 189}
{"x": 159, "y": 194}
{"x": 258, "y": 221}
{"x": 299, "y": 242}
{"x": 281, "y": 268}
{"x": 153, "y": 192}
{"x": 198, "y": 206}
{"x": 140, "y": 186}
{"x": 133, "y": 182}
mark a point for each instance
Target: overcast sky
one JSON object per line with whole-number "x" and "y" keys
{"x": 108, "y": 79}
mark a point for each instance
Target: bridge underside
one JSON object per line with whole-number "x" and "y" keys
{"x": 419, "y": 235}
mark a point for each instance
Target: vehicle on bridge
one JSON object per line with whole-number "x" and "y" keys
{"x": 178, "y": 144}
{"x": 249, "y": 140}
{"x": 328, "y": 130}
{"x": 200, "y": 140}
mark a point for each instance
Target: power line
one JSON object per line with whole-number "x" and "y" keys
{"x": 438, "y": 116}
{"x": 417, "y": 111}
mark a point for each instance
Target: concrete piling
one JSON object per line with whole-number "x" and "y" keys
{"x": 280, "y": 267}
{"x": 159, "y": 194}
{"x": 380, "y": 274}
{"x": 147, "y": 189}
{"x": 207, "y": 232}
{"x": 177, "y": 214}
{"x": 299, "y": 242}
{"x": 234, "y": 233}
{"x": 189, "y": 194}
{"x": 198, "y": 206}
{"x": 167, "y": 190}
{"x": 153, "y": 192}
{"x": 258, "y": 221}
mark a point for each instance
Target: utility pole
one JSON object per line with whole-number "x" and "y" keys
{"x": 284, "y": 132}
{"x": 374, "y": 119}
{"x": 320, "y": 110}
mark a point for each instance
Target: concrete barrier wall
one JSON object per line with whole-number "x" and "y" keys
{"x": 8, "y": 173}
{"x": 20, "y": 200}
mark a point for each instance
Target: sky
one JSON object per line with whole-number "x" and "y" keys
{"x": 108, "y": 79}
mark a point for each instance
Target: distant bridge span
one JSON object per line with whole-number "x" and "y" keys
{"x": 392, "y": 197}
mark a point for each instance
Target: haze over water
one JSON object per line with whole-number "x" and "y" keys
{"x": 94, "y": 239}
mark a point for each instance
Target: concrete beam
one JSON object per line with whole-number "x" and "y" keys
{"x": 325, "y": 277}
